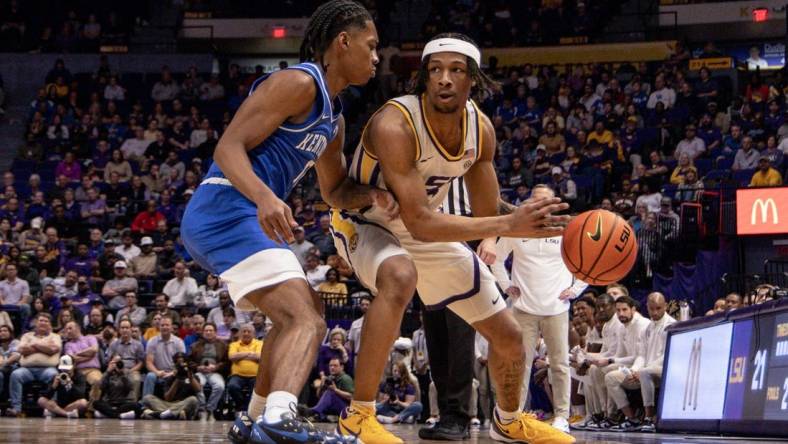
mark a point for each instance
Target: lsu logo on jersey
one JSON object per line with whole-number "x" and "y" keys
{"x": 313, "y": 143}
{"x": 345, "y": 230}
{"x": 469, "y": 157}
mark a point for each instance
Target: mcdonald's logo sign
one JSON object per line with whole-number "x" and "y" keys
{"x": 763, "y": 206}
{"x": 762, "y": 211}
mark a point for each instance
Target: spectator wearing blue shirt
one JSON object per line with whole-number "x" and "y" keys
{"x": 532, "y": 114}
{"x": 507, "y": 112}
{"x": 710, "y": 134}
{"x": 732, "y": 142}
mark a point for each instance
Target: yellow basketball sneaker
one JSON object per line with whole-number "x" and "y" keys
{"x": 365, "y": 427}
{"x": 527, "y": 429}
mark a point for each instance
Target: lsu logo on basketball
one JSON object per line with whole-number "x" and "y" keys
{"x": 622, "y": 240}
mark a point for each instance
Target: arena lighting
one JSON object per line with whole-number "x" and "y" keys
{"x": 279, "y": 32}
{"x": 760, "y": 14}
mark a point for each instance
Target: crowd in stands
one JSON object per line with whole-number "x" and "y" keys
{"x": 114, "y": 315}
{"x": 67, "y": 26}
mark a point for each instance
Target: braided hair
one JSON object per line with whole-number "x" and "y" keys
{"x": 328, "y": 20}
{"x": 480, "y": 78}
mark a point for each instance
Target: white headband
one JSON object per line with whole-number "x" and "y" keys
{"x": 453, "y": 45}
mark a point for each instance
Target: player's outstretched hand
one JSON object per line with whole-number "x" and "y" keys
{"x": 277, "y": 220}
{"x": 486, "y": 251}
{"x": 537, "y": 218}
{"x": 386, "y": 202}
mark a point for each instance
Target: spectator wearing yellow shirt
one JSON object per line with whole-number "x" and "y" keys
{"x": 336, "y": 291}
{"x": 245, "y": 356}
{"x": 600, "y": 134}
{"x": 681, "y": 170}
{"x": 552, "y": 139}
{"x": 766, "y": 176}
{"x": 153, "y": 330}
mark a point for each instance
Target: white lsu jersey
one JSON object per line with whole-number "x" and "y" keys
{"x": 436, "y": 165}
{"x": 449, "y": 273}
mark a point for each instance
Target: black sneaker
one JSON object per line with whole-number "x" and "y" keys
{"x": 647, "y": 426}
{"x": 627, "y": 426}
{"x": 583, "y": 425}
{"x": 600, "y": 424}
{"x": 446, "y": 430}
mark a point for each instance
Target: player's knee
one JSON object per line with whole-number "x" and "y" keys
{"x": 397, "y": 278}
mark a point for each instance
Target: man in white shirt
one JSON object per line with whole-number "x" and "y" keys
{"x": 541, "y": 288}
{"x": 354, "y": 334}
{"x": 15, "y": 291}
{"x": 644, "y": 370}
{"x": 611, "y": 337}
{"x": 691, "y": 144}
{"x": 754, "y": 61}
{"x": 661, "y": 94}
{"x": 633, "y": 325}
{"x": 481, "y": 351}
{"x": 181, "y": 289}
{"x": 315, "y": 271}
{"x": 301, "y": 246}
{"x": 127, "y": 249}
{"x": 134, "y": 148}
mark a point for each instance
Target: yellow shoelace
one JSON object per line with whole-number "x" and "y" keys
{"x": 523, "y": 418}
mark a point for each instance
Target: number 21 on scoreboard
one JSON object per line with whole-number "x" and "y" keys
{"x": 759, "y": 374}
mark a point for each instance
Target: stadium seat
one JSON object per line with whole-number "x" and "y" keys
{"x": 743, "y": 177}
{"x": 703, "y": 166}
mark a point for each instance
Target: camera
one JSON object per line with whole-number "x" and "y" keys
{"x": 63, "y": 377}
{"x": 119, "y": 365}
{"x": 182, "y": 369}
{"x": 391, "y": 383}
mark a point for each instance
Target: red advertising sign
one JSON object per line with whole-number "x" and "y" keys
{"x": 762, "y": 211}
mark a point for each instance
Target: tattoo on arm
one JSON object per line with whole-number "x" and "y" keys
{"x": 505, "y": 208}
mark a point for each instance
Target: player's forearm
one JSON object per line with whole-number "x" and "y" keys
{"x": 349, "y": 195}
{"x": 439, "y": 227}
{"x": 236, "y": 167}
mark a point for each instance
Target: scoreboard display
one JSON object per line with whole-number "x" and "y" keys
{"x": 728, "y": 374}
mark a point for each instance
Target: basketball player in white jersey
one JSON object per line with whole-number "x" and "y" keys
{"x": 414, "y": 146}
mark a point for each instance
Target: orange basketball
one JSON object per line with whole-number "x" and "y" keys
{"x": 599, "y": 247}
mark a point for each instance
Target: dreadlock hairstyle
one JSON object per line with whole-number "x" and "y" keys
{"x": 328, "y": 20}
{"x": 482, "y": 81}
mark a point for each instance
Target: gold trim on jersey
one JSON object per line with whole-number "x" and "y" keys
{"x": 434, "y": 139}
{"x": 368, "y": 164}
{"x": 404, "y": 110}
{"x": 479, "y": 131}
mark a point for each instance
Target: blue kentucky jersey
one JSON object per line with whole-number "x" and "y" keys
{"x": 283, "y": 158}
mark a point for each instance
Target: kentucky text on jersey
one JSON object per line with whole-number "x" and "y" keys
{"x": 283, "y": 158}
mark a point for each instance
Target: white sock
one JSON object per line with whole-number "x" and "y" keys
{"x": 368, "y": 406}
{"x": 73, "y": 414}
{"x": 256, "y": 406}
{"x": 128, "y": 415}
{"x": 506, "y": 417}
{"x": 278, "y": 403}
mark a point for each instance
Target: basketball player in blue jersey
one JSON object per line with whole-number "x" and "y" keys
{"x": 414, "y": 146}
{"x": 237, "y": 224}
